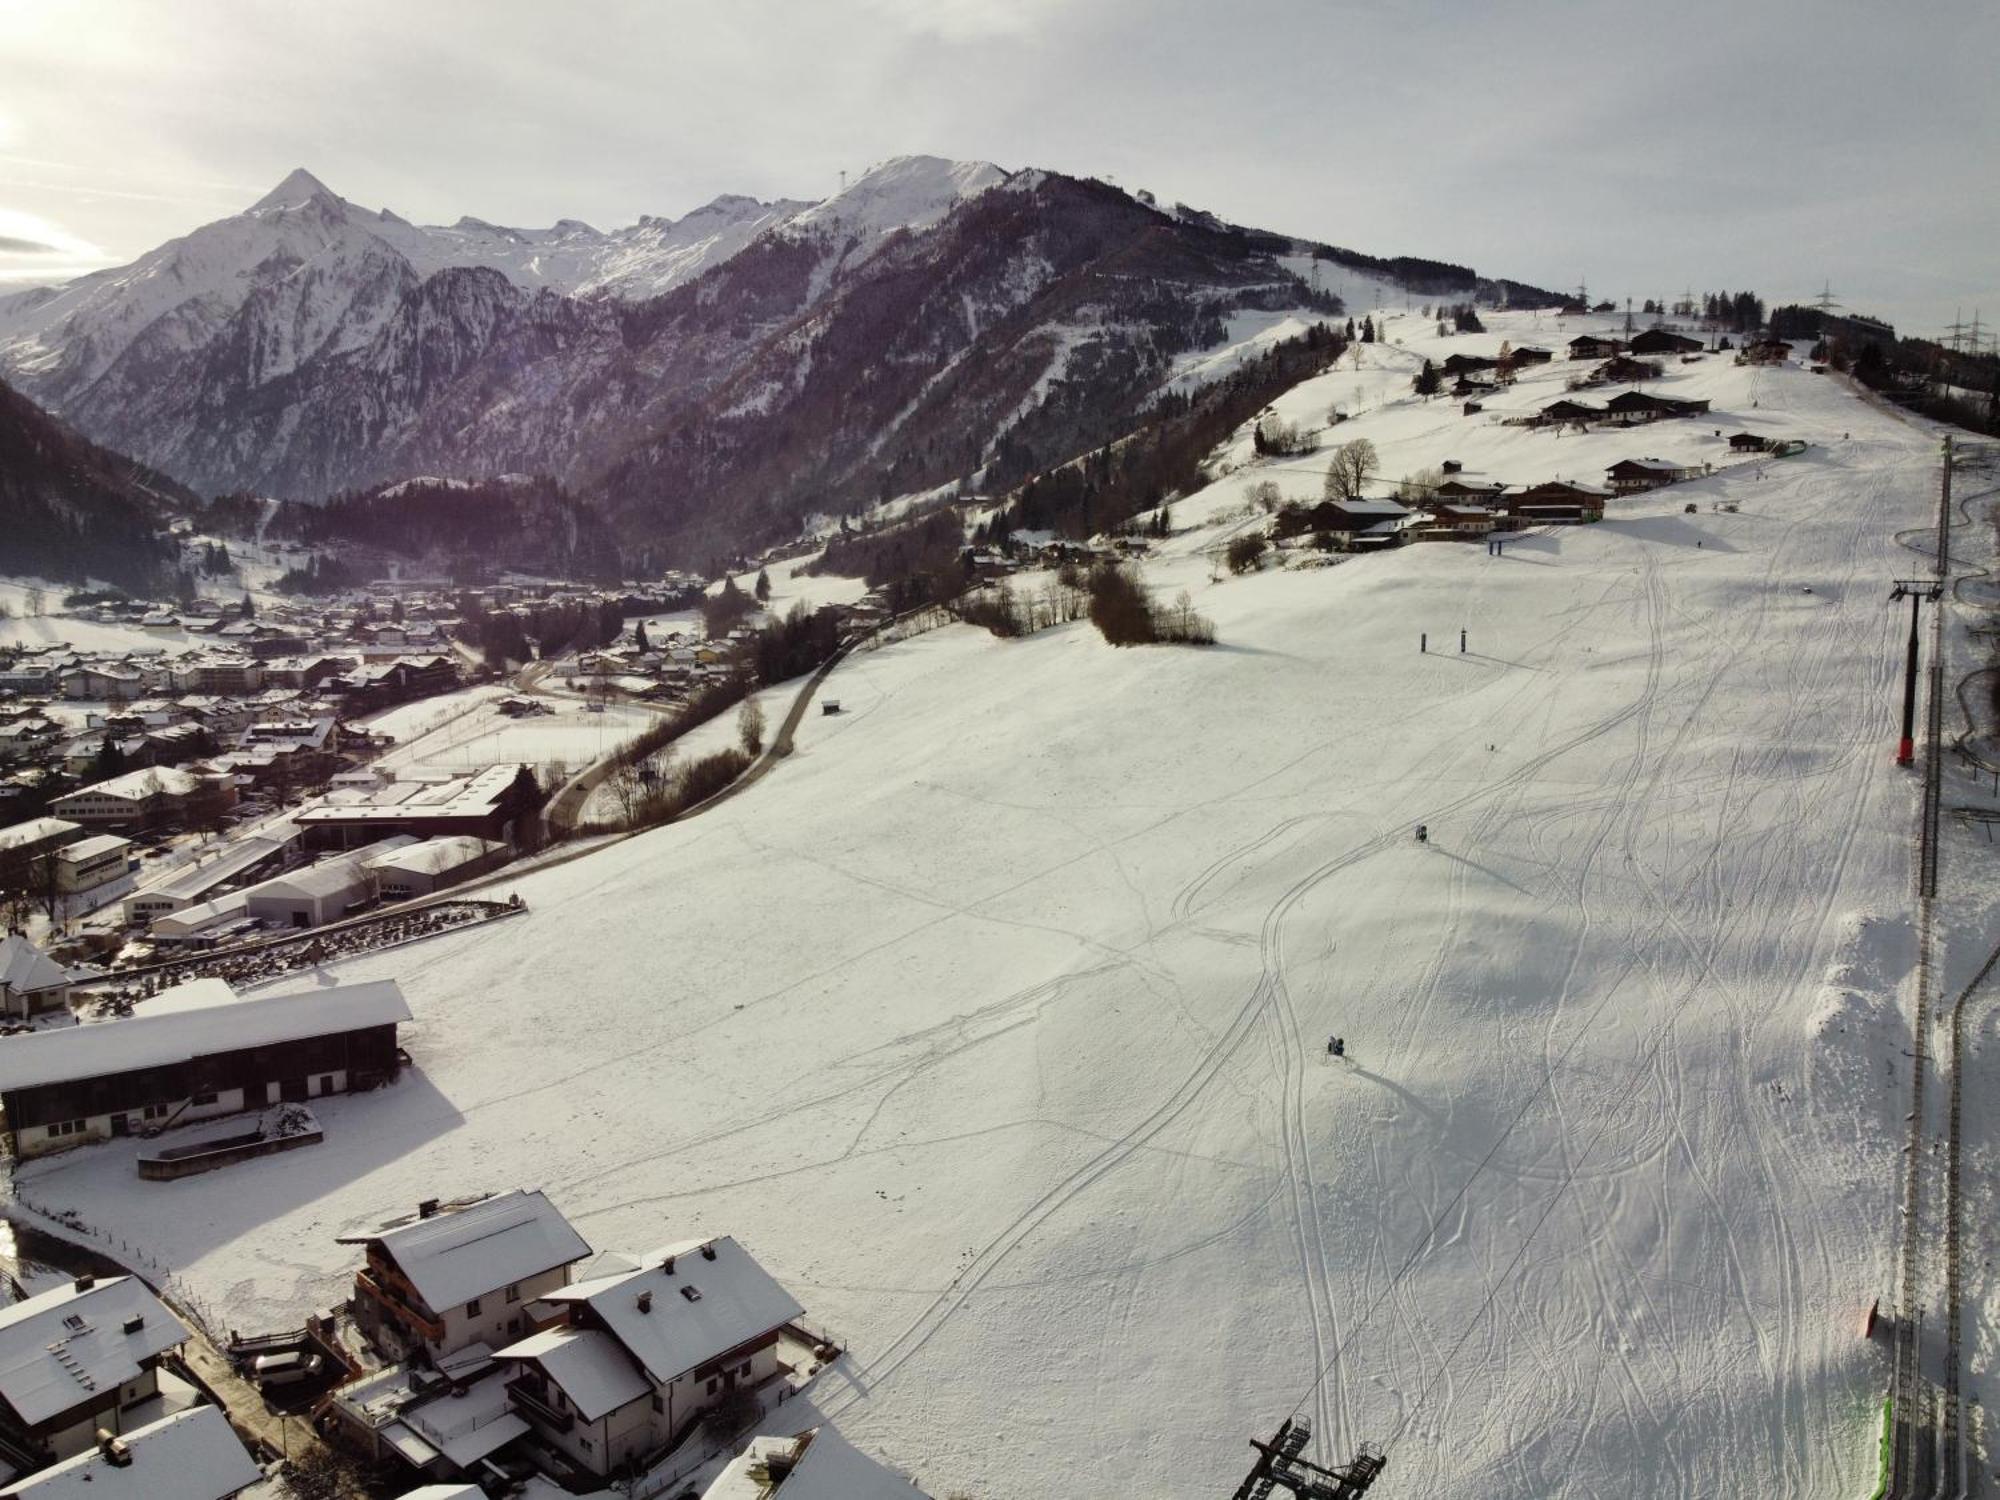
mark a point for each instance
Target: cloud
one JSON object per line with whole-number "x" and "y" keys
{"x": 12, "y": 246}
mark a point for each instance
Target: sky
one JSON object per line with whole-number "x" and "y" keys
{"x": 1776, "y": 145}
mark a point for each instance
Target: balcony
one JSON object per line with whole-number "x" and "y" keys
{"x": 398, "y": 1309}
{"x": 531, "y": 1405}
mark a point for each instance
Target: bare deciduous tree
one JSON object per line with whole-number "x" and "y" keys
{"x": 1354, "y": 464}
{"x": 750, "y": 726}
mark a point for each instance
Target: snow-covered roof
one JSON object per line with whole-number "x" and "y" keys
{"x": 332, "y": 876}
{"x": 1657, "y": 465}
{"x": 465, "y": 1253}
{"x": 733, "y": 1301}
{"x": 34, "y": 831}
{"x": 447, "y": 1492}
{"x": 136, "y": 786}
{"x": 467, "y": 1425}
{"x": 90, "y": 848}
{"x": 1388, "y": 508}
{"x": 66, "y": 1348}
{"x": 817, "y": 1464}
{"x": 191, "y": 1455}
{"x": 436, "y": 856}
{"x": 593, "y": 1369}
{"x": 24, "y": 968}
{"x": 175, "y": 1031}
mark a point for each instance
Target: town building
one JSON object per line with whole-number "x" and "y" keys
{"x": 322, "y": 892}
{"x": 644, "y": 1350}
{"x": 197, "y": 1051}
{"x": 141, "y": 799}
{"x": 92, "y": 863}
{"x": 455, "y": 1277}
{"x": 76, "y": 1358}
{"x": 498, "y": 804}
{"x": 434, "y": 865}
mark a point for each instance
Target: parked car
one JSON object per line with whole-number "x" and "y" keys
{"x": 289, "y": 1368}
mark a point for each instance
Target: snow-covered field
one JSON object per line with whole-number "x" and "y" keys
{"x": 462, "y": 731}
{"x": 994, "y": 1020}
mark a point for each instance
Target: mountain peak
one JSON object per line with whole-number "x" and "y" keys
{"x": 912, "y": 192}
{"x": 299, "y": 187}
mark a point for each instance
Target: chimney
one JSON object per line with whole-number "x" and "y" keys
{"x": 668, "y": 1265}
{"x": 645, "y": 1302}
{"x": 427, "y": 1209}
{"x": 85, "y": 1283}
{"x": 708, "y": 1252}
{"x": 114, "y": 1448}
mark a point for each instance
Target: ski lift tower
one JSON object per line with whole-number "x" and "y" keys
{"x": 1281, "y": 1465}
{"x": 1919, "y": 591}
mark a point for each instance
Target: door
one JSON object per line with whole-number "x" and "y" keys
{"x": 292, "y": 1091}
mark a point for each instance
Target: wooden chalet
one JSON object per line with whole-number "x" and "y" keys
{"x": 1748, "y": 442}
{"x": 1622, "y": 369}
{"x": 1630, "y": 407}
{"x": 1558, "y": 502}
{"x": 1566, "y": 411}
{"x": 1530, "y": 354}
{"x": 1632, "y": 476}
{"x": 1660, "y": 341}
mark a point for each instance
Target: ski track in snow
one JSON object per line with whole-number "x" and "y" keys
{"x": 994, "y": 1019}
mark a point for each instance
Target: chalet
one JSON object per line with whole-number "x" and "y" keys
{"x": 443, "y": 1420}
{"x": 195, "y": 1052}
{"x": 465, "y": 1275}
{"x": 191, "y": 1454}
{"x": 1457, "y": 491}
{"x": 816, "y": 1464}
{"x": 643, "y": 1351}
{"x": 140, "y": 799}
{"x": 31, "y": 983}
{"x": 79, "y": 1357}
{"x": 1593, "y": 346}
{"x": 1562, "y": 412}
{"x": 1632, "y": 476}
{"x": 1748, "y": 442}
{"x": 497, "y": 804}
{"x": 1457, "y": 523}
{"x": 1558, "y": 502}
{"x": 1660, "y": 341}
{"x": 1467, "y": 364}
{"x": 1529, "y": 354}
{"x": 1765, "y": 352}
{"x": 1630, "y": 407}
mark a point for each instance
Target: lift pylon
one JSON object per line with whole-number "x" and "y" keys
{"x": 1281, "y": 1465}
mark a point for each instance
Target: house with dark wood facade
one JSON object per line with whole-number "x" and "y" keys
{"x": 77, "y": 1358}
{"x": 1593, "y": 346}
{"x": 1660, "y": 341}
{"x": 195, "y": 1052}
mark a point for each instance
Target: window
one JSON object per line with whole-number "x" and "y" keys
{"x": 67, "y": 1127}
{"x": 326, "y": 1083}
{"x": 514, "y": 1292}
{"x": 153, "y": 1112}
{"x": 472, "y": 1308}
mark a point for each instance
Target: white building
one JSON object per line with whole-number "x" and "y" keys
{"x": 191, "y": 1455}
{"x": 136, "y": 799}
{"x": 647, "y": 1348}
{"x": 320, "y": 893}
{"x": 31, "y": 983}
{"x": 92, "y": 862}
{"x": 447, "y": 1280}
{"x": 78, "y": 1358}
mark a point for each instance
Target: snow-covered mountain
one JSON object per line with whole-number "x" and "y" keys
{"x": 699, "y": 380}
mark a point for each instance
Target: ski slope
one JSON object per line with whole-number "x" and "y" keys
{"x": 994, "y": 1020}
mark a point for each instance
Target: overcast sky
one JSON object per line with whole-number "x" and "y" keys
{"x": 1649, "y": 147}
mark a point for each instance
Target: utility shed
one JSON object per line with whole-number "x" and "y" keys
{"x": 197, "y": 1051}
{"x": 191, "y": 1455}
{"x": 320, "y": 893}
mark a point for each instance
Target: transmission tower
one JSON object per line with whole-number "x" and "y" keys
{"x": 1825, "y": 300}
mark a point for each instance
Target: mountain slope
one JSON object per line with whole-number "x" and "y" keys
{"x": 71, "y": 510}
{"x": 935, "y": 321}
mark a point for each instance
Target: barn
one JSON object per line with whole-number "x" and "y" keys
{"x": 196, "y": 1052}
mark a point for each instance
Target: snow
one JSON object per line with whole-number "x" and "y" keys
{"x": 992, "y": 1019}
{"x": 462, "y": 731}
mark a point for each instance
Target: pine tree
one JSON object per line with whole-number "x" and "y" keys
{"x": 763, "y": 587}
{"x": 639, "y": 637}
{"x": 246, "y": 610}
{"x": 1368, "y": 329}
{"x": 1428, "y": 380}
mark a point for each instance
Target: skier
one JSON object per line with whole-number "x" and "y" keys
{"x": 1337, "y": 1047}
{"x": 1423, "y": 833}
